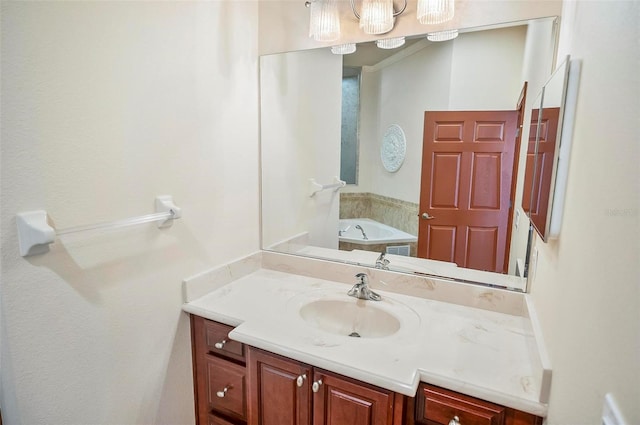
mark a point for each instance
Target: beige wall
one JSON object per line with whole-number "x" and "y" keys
{"x": 300, "y": 140}
{"x": 104, "y": 106}
{"x": 586, "y": 286}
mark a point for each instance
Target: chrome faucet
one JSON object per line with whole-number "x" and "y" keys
{"x": 382, "y": 262}
{"x": 364, "y": 235}
{"x": 361, "y": 289}
{"x": 342, "y": 231}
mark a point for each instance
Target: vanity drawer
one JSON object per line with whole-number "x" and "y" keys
{"x": 437, "y": 406}
{"x": 226, "y": 390}
{"x": 218, "y": 342}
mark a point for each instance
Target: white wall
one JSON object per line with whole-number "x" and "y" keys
{"x": 486, "y": 69}
{"x": 586, "y": 287}
{"x": 300, "y": 140}
{"x": 104, "y": 106}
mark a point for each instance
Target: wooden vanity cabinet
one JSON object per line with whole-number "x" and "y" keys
{"x": 286, "y": 392}
{"x": 238, "y": 385}
{"x": 219, "y": 374}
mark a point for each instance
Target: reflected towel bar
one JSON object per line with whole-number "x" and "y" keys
{"x": 315, "y": 187}
{"x": 35, "y": 234}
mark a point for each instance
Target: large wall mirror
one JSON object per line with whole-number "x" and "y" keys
{"x": 302, "y": 126}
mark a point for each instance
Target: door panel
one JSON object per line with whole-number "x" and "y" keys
{"x": 442, "y": 243}
{"x": 342, "y": 401}
{"x": 445, "y": 180}
{"x": 466, "y": 186}
{"x": 481, "y": 246}
{"x": 486, "y": 182}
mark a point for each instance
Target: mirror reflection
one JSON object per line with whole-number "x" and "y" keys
{"x": 481, "y": 71}
{"x": 542, "y": 152}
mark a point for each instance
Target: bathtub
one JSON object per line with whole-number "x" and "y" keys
{"x": 377, "y": 233}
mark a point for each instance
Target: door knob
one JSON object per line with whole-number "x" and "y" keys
{"x": 455, "y": 421}
{"x": 316, "y": 386}
{"x": 426, "y": 216}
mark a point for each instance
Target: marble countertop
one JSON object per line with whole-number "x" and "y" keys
{"x": 482, "y": 353}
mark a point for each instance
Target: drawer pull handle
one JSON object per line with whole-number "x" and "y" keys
{"x": 301, "y": 379}
{"x": 220, "y": 345}
{"x": 455, "y": 421}
{"x": 223, "y": 393}
{"x": 316, "y": 385}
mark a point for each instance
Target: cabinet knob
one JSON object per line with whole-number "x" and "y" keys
{"x": 223, "y": 393}
{"x": 301, "y": 379}
{"x": 220, "y": 345}
{"x": 315, "y": 387}
{"x": 455, "y": 421}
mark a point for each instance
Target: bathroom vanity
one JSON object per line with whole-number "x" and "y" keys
{"x": 271, "y": 345}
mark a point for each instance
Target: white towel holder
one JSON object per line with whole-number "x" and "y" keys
{"x": 35, "y": 234}
{"x": 315, "y": 187}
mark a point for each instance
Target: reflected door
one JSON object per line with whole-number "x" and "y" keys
{"x": 540, "y": 157}
{"x": 467, "y": 167}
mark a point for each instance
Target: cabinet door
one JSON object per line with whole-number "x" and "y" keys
{"x": 340, "y": 401}
{"x": 279, "y": 390}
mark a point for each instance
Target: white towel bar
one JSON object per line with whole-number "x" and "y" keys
{"x": 315, "y": 187}
{"x": 35, "y": 234}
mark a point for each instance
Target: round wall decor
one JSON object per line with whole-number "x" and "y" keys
{"x": 393, "y": 149}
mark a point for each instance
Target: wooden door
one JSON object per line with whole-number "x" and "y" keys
{"x": 279, "y": 390}
{"x": 467, "y": 167}
{"x": 342, "y": 401}
{"x": 541, "y": 157}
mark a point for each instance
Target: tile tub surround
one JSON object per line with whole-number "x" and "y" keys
{"x": 378, "y": 248}
{"x": 478, "y": 341}
{"x": 393, "y": 212}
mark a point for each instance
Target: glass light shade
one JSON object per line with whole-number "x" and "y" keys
{"x": 324, "y": 20}
{"x": 442, "y": 35}
{"x": 376, "y": 16}
{"x": 343, "y": 49}
{"x": 435, "y": 11}
{"x": 390, "y": 43}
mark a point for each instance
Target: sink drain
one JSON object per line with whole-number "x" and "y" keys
{"x": 355, "y": 334}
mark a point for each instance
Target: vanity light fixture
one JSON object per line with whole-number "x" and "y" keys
{"x": 376, "y": 17}
{"x": 390, "y": 43}
{"x": 442, "y": 35}
{"x": 343, "y": 49}
{"x": 432, "y": 12}
{"x": 324, "y": 20}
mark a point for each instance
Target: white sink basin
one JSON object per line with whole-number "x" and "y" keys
{"x": 350, "y": 317}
